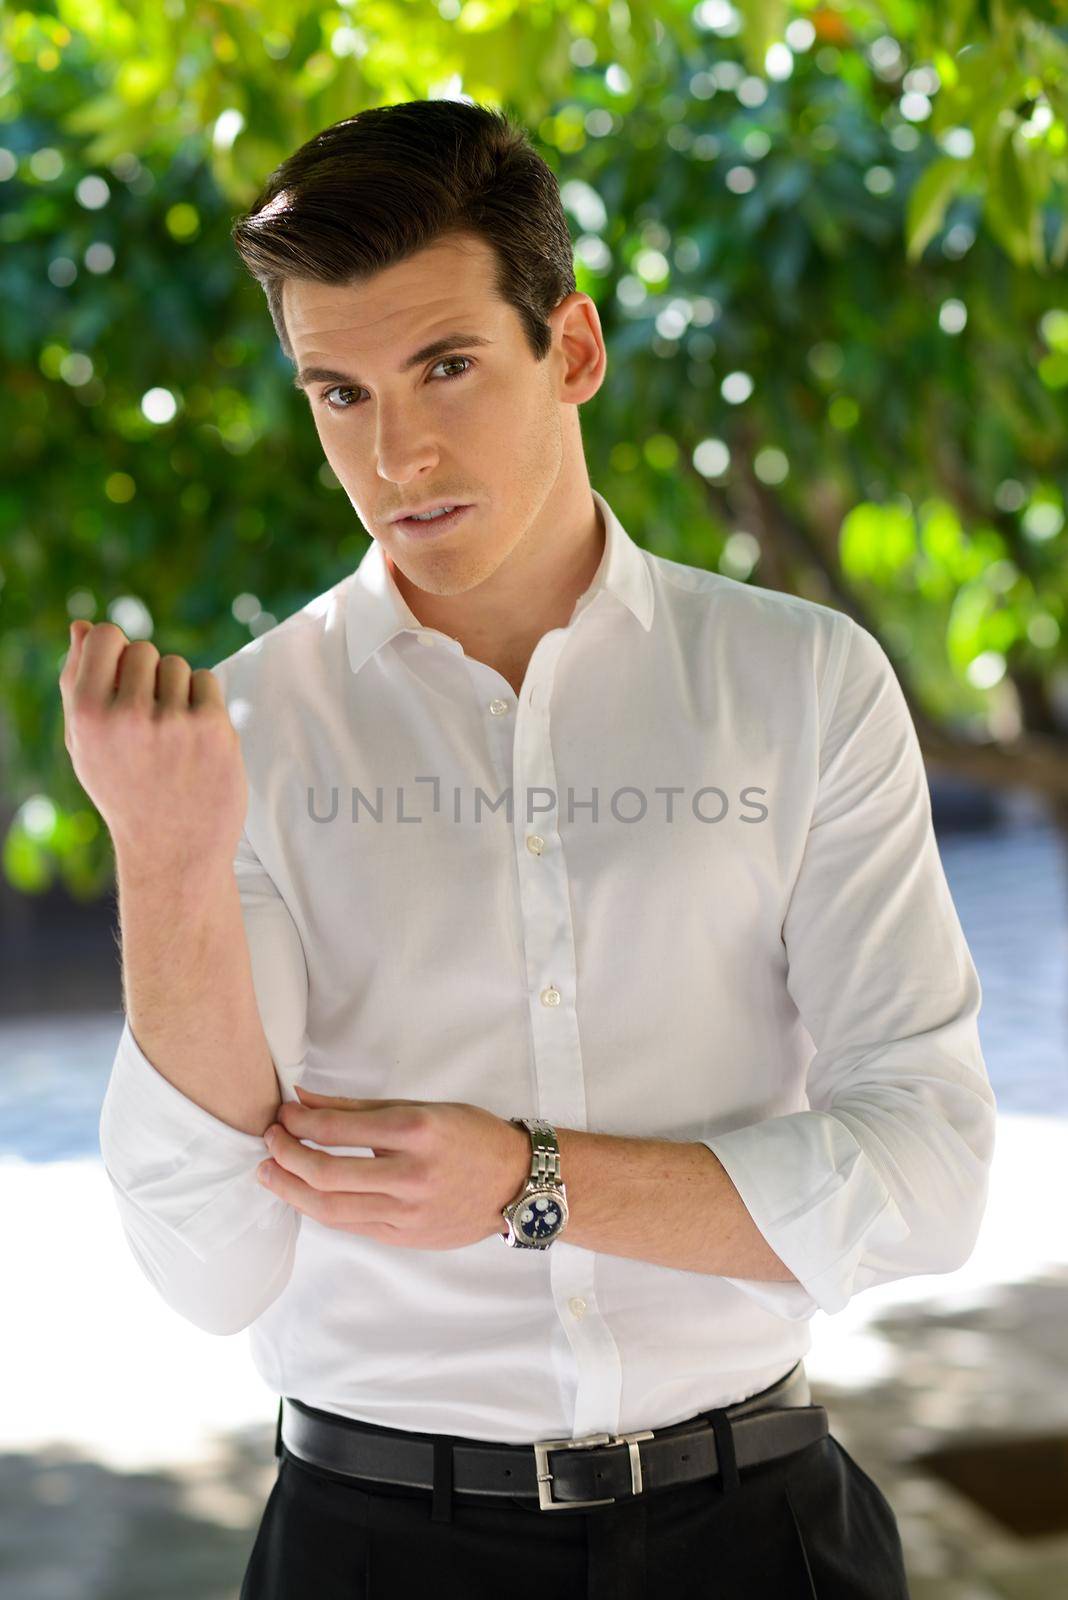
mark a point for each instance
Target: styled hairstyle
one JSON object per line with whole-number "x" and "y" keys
{"x": 377, "y": 187}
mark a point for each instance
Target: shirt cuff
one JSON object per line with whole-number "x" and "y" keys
{"x": 822, "y": 1237}
{"x": 194, "y": 1173}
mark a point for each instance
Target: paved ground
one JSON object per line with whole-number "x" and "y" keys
{"x": 136, "y": 1452}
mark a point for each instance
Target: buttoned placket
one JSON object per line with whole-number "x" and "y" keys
{"x": 549, "y": 946}
{"x": 518, "y": 734}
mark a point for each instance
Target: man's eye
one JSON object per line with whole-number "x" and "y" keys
{"x": 445, "y": 361}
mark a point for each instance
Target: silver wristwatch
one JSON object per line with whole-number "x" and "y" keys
{"x": 538, "y": 1214}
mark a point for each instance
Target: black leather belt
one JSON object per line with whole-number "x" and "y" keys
{"x": 568, "y": 1474}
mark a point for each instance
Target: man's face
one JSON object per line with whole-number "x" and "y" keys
{"x": 477, "y": 424}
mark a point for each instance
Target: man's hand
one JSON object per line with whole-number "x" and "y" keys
{"x": 153, "y": 747}
{"x": 441, "y": 1173}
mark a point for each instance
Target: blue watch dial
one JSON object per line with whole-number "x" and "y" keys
{"x": 538, "y": 1218}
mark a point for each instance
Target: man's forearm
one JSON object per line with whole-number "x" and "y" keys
{"x": 660, "y": 1201}
{"x": 188, "y": 991}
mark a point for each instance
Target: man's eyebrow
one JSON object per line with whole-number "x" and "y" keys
{"x": 439, "y": 347}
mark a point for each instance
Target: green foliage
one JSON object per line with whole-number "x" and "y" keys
{"x": 825, "y": 248}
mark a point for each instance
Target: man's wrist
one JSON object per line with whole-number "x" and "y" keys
{"x": 139, "y": 866}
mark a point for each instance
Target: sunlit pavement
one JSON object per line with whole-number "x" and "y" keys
{"x": 136, "y": 1453}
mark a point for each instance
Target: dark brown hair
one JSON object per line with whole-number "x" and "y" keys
{"x": 373, "y": 189}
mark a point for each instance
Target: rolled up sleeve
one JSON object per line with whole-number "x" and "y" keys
{"x": 215, "y": 1243}
{"x": 886, "y": 1176}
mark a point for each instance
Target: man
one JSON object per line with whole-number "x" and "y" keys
{"x": 570, "y": 922}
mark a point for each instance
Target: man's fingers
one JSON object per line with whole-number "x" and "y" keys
{"x": 82, "y": 664}
{"x": 205, "y": 689}
{"x": 135, "y": 681}
{"x": 105, "y": 667}
{"x": 172, "y": 681}
{"x": 101, "y": 650}
{"x": 78, "y": 632}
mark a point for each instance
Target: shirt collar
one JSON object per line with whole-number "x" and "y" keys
{"x": 376, "y": 611}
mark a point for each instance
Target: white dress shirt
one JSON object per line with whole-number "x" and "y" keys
{"x": 750, "y": 943}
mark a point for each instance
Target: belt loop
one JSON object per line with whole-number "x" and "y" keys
{"x": 278, "y": 1431}
{"x": 441, "y": 1510}
{"x": 725, "y": 1458}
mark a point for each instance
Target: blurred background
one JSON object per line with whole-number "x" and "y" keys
{"x": 827, "y": 246}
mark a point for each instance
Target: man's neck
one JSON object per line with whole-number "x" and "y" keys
{"x": 501, "y": 621}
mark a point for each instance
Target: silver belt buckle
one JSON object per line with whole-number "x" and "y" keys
{"x": 541, "y": 1456}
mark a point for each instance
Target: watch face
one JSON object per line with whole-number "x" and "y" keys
{"x": 540, "y": 1217}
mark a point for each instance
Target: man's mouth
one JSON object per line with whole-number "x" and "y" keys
{"x": 416, "y": 526}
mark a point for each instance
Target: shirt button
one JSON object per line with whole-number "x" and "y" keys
{"x": 535, "y": 844}
{"x": 498, "y": 707}
{"x": 577, "y": 1306}
{"x": 425, "y": 638}
{"x": 550, "y": 996}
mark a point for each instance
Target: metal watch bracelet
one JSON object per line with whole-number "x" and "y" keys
{"x": 537, "y": 1226}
